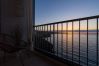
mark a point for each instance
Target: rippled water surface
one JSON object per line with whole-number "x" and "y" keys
{"x": 64, "y": 43}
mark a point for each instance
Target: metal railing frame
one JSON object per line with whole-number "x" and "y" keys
{"x": 51, "y": 29}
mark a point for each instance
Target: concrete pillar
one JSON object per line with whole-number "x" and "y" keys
{"x": 0, "y": 15}
{"x": 17, "y": 14}
{"x": 29, "y": 19}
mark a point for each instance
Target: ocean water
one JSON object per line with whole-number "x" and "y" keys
{"x": 65, "y": 43}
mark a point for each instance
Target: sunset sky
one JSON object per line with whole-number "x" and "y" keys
{"x": 48, "y": 11}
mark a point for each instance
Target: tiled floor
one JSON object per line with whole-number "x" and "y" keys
{"x": 33, "y": 59}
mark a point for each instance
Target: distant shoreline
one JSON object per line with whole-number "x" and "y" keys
{"x": 65, "y": 31}
{"x": 48, "y": 33}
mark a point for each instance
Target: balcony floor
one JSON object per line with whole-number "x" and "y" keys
{"x": 33, "y": 59}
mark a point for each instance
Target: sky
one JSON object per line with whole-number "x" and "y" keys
{"x": 48, "y": 11}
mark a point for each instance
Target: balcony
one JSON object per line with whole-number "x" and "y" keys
{"x": 66, "y": 43}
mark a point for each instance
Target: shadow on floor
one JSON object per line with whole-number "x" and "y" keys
{"x": 32, "y": 59}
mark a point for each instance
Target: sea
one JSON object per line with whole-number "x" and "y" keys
{"x": 76, "y": 46}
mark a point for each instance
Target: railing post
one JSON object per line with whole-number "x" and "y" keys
{"x": 47, "y": 32}
{"x": 62, "y": 39}
{"x": 39, "y": 36}
{"x": 54, "y": 38}
{"x": 50, "y": 36}
{"x": 36, "y": 37}
{"x": 97, "y": 58}
{"x": 67, "y": 41}
{"x": 42, "y": 37}
{"x": 87, "y": 43}
{"x": 72, "y": 43}
{"x": 57, "y": 39}
{"x": 79, "y": 42}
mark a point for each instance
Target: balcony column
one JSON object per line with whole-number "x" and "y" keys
{"x": 0, "y": 15}
{"x": 29, "y": 4}
{"x": 17, "y": 14}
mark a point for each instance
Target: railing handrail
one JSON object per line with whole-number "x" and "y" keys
{"x": 84, "y": 18}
